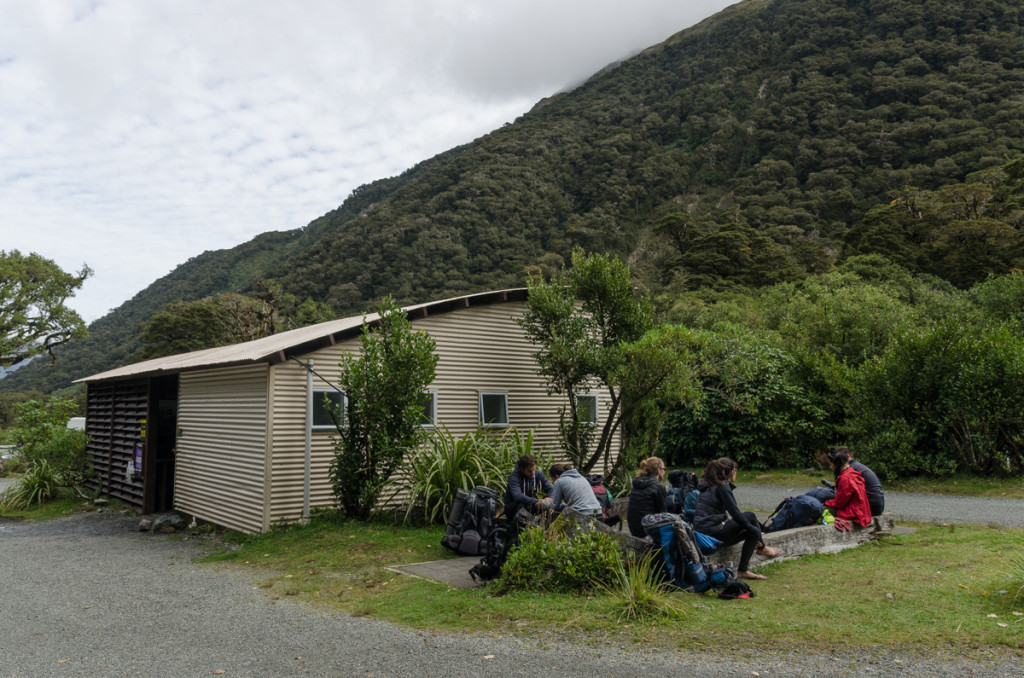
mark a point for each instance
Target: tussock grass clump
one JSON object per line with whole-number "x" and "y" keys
{"x": 640, "y": 591}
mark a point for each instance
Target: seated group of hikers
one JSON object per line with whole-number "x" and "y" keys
{"x": 852, "y": 499}
{"x": 567, "y": 487}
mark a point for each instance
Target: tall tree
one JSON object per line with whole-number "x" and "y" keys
{"x": 381, "y": 418}
{"x": 580, "y": 345}
{"x": 33, "y": 315}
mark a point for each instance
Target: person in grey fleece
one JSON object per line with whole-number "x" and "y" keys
{"x": 572, "y": 489}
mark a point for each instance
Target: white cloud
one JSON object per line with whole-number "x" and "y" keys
{"x": 139, "y": 134}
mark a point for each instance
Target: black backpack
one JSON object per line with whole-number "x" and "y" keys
{"x": 684, "y": 480}
{"x": 474, "y": 533}
{"x": 504, "y": 538}
{"x": 793, "y": 512}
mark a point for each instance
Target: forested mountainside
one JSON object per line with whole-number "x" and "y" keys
{"x": 762, "y": 145}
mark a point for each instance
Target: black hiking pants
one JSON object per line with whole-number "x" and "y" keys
{"x": 732, "y": 533}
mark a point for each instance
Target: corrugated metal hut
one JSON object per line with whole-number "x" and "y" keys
{"x": 220, "y": 434}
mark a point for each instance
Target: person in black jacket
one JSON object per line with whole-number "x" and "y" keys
{"x": 648, "y": 495}
{"x": 524, "y": 484}
{"x": 718, "y": 516}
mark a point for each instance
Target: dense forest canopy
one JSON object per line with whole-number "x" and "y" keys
{"x": 768, "y": 143}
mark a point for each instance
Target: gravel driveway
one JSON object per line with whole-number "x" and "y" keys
{"x": 90, "y": 596}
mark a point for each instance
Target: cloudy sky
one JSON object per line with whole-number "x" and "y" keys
{"x": 135, "y": 134}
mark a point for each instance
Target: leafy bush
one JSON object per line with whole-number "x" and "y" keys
{"x": 38, "y": 485}
{"x": 37, "y": 422}
{"x": 561, "y": 558}
{"x": 943, "y": 399}
{"x": 42, "y": 434}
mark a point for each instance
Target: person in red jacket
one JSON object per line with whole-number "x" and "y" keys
{"x": 851, "y": 500}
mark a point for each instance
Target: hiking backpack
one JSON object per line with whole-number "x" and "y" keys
{"x": 596, "y": 481}
{"x": 681, "y": 559}
{"x": 690, "y": 505}
{"x": 793, "y": 512}
{"x": 684, "y": 480}
{"x": 471, "y": 533}
{"x": 504, "y": 538}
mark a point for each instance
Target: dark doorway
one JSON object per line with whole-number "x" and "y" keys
{"x": 158, "y": 466}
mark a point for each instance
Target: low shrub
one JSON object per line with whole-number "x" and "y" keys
{"x": 38, "y": 485}
{"x": 560, "y": 559}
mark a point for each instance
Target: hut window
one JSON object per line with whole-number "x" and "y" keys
{"x": 429, "y": 404}
{"x": 493, "y": 408}
{"x": 586, "y": 408}
{"x": 322, "y": 399}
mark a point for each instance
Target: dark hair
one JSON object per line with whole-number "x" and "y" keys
{"x": 526, "y": 461}
{"x": 838, "y": 457}
{"x": 557, "y": 470}
{"x": 719, "y": 471}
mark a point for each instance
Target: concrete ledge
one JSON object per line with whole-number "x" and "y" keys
{"x": 803, "y": 541}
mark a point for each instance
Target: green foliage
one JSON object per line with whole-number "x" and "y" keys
{"x": 779, "y": 129}
{"x": 580, "y": 347}
{"x": 382, "y": 417}
{"x": 39, "y": 421}
{"x": 433, "y": 473}
{"x": 39, "y": 484}
{"x": 641, "y": 592}
{"x": 40, "y": 430}
{"x": 33, "y": 317}
{"x": 1015, "y": 572}
{"x": 558, "y": 559}
{"x": 194, "y": 325}
{"x": 943, "y": 398}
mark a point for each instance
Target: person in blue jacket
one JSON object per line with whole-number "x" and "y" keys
{"x": 524, "y": 485}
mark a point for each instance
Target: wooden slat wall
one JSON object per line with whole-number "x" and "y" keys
{"x": 114, "y": 414}
{"x": 480, "y": 349}
{"x": 219, "y": 471}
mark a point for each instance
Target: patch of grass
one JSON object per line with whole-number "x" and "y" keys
{"x": 932, "y": 589}
{"x": 65, "y": 503}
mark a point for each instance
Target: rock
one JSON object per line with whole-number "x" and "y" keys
{"x": 168, "y": 522}
{"x": 145, "y": 525}
{"x": 100, "y": 501}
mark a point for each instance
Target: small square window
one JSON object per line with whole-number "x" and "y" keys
{"x": 429, "y": 404}
{"x": 493, "y": 409}
{"x": 326, "y": 401}
{"x": 586, "y": 408}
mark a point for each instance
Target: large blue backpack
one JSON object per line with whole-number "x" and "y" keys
{"x": 793, "y": 512}
{"x": 680, "y": 556}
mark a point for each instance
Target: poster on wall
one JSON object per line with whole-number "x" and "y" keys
{"x": 138, "y": 457}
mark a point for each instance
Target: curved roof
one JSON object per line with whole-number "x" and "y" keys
{"x": 279, "y": 347}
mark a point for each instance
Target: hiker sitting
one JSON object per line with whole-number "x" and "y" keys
{"x": 717, "y": 515}
{"x": 524, "y": 485}
{"x": 851, "y": 501}
{"x": 572, "y": 489}
{"x": 872, "y": 486}
{"x": 648, "y": 495}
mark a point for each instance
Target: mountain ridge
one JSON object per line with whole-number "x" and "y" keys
{"x": 776, "y": 125}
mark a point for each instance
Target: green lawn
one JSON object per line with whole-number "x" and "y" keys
{"x": 940, "y": 587}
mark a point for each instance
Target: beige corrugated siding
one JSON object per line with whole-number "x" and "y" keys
{"x": 479, "y": 349}
{"x": 219, "y": 471}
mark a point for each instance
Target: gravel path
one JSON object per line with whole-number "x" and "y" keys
{"x": 90, "y": 596}
{"x": 907, "y": 506}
